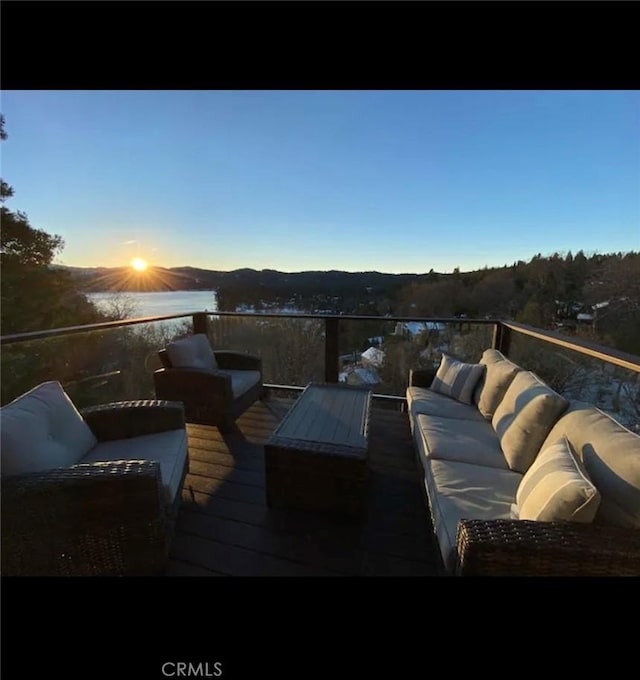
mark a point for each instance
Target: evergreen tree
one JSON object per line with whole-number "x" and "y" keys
{"x": 34, "y": 295}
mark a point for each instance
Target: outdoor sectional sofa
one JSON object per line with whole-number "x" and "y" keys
{"x": 520, "y": 481}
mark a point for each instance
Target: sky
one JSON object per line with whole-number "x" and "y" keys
{"x": 393, "y": 181}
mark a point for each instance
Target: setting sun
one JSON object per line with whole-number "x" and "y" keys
{"x": 139, "y": 264}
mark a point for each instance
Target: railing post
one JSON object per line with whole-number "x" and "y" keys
{"x": 331, "y": 350}
{"x": 496, "y": 339}
{"x": 501, "y": 338}
{"x": 201, "y": 323}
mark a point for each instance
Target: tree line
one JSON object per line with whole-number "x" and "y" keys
{"x": 597, "y": 296}
{"x": 34, "y": 295}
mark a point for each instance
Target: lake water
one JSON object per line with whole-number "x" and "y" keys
{"x": 157, "y": 304}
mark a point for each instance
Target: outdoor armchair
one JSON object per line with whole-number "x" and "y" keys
{"x": 214, "y": 386}
{"x": 91, "y": 493}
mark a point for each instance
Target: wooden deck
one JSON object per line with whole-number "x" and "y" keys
{"x": 225, "y": 527}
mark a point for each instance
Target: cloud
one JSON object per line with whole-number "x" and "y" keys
{"x": 128, "y": 243}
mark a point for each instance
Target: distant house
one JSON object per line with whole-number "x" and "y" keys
{"x": 413, "y": 328}
{"x": 362, "y": 376}
{"x": 589, "y": 313}
{"x": 373, "y": 357}
{"x": 569, "y": 315}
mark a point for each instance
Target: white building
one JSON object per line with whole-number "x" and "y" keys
{"x": 373, "y": 357}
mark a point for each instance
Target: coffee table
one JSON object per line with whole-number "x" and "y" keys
{"x": 316, "y": 459}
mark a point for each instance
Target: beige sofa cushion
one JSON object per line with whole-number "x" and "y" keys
{"x": 611, "y": 455}
{"x": 498, "y": 376}
{"x": 42, "y": 430}
{"x": 168, "y": 448}
{"x": 194, "y": 351}
{"x": 528, "y": 410}
{"x": 557, "y": 488}
{"x": 426, "y": 401}
{"x": 461, "y": 491}
{"x": 465, "y": 441}
{"x": 456, "y": 379}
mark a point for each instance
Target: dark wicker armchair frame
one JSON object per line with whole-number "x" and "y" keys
{"x": 94, "y": 519}
{"x": 504, "y": 547}
{"x": 206, "y": 394}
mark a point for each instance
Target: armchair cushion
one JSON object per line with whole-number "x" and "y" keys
{"x": 42, "y": 430}
{"x": 168, "y": 448}
{"x": 194, "y": 351}
{"x": 242, "y": 381}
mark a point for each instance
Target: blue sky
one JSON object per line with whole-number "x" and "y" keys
{"x": 394, "y": 181}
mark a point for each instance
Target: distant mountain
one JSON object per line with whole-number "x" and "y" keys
{"x": 330, "y": 291}
{"x": 96, "y": 279}
{"x": 125, "y": 279}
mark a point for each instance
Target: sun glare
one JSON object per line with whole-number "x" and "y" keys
{"x": 139, "y": 264}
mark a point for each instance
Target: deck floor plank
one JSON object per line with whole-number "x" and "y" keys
{"x": 224, "y": 526}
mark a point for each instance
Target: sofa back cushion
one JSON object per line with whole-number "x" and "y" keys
{"x": 557, "y": 487}
{"x": 611, "y": 455}
{"x": 42, "y": 430}
{"x": 456, "y": 379}
{"x": 494, "y": 383}
{"x": 192, "y": 352}
{"x": 522, "y": 420}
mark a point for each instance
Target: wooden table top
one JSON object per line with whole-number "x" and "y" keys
{"x": 336, "y": 415}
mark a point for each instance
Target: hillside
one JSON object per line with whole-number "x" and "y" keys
{"x": 305, "y": 290}
{"x": 597, "y": 295}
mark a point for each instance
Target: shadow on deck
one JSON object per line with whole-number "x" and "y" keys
{"x": 225, "y": 527}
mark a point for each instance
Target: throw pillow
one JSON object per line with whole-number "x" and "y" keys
{"x": 524, "y": 417}
{"x": 192, "y": 352}
{"x": 495, "y": 382}
{"x": 557, "y": 487}
{"x": 610, "y": 453}
{"x": 456, "y": 379}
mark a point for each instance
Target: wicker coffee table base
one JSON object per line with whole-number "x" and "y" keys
{"x": 317, "y": 457}
{"x": 312, "y": 480}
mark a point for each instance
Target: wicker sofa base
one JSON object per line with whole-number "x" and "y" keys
{"x": 525, "y": 548}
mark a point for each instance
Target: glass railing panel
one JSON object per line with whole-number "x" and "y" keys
{"x": 576, "y": 376}
{"x": 94, "y": 367}
{"x": 380, "y": 354}
{"x": 292, "y": 350}
{"x": 117, "y": 364}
